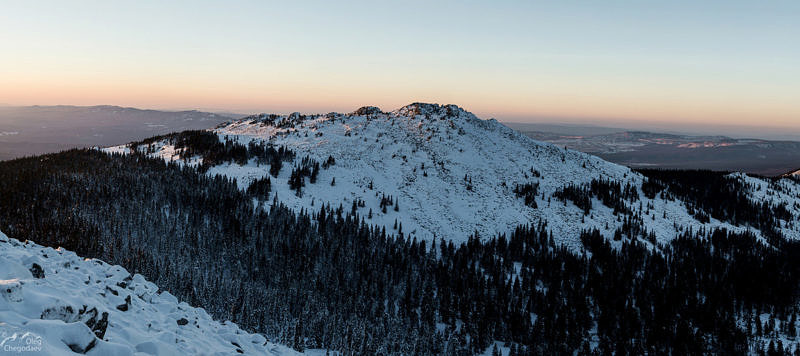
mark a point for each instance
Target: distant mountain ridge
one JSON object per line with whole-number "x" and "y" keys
{"x": 644, "y": 149}
{"x": 46, "y": 129}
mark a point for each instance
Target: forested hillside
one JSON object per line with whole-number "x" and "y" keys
{"x": 327, "y": 278}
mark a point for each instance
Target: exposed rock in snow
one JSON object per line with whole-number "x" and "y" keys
{"x": 72, "y": 309}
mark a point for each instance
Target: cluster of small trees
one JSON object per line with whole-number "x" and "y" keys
{"x": 578, "y": 195}
{"x": 260, "y": 188}
{"x": 527, "y": 192}
{"x": 307, "y": 168}
{"x": 208, "y": 146}
{"x": 612, "y": 193}
{"x": 387, "y": 201}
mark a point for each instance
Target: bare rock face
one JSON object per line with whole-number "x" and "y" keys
{"x": 96, "y": 322}
{"x": 367, "y": 110}
{"x": 427, "y": 109}
{"x": 11, "y": 290}
{"x": 37, "y": 271}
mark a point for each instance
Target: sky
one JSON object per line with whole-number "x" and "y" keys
{"x": 603, "y": 62}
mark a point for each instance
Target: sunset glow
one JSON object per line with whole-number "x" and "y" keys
{"x": 721, "y": 62}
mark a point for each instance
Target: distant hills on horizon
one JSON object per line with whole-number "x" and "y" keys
{"x": 31, "y": 130}
{"x": 644, "y": 149}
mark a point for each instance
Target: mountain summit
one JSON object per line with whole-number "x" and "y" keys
{"x": 437, "y": 171}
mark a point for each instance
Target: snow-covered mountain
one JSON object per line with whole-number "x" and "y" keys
{"x": 452, "y": 174}
{"x": 53, "y": 302}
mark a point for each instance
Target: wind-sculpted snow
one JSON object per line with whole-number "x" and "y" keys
{"x": 53, "y": 302}
{"x": 451, "y": 173}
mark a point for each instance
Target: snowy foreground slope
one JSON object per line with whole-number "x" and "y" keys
{"x": 451, "y": 173}
{"x": 53, "y": 302}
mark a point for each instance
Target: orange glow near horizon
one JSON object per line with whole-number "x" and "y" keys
{"x": 565, "y": 107}
{"x": 515, "y": 61}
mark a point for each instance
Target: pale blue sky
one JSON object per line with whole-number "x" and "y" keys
{"x": 724, "y": 62}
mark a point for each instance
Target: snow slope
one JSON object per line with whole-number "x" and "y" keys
{"x": 784, "y": 191}
{"x": 452, "y": 173}
{"x": 53, "y": 302}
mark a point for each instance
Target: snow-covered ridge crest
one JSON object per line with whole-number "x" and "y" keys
{"x": 53, "y": 302}
{"x": 413, "y": 110}
{"x": 427, "y": 109}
